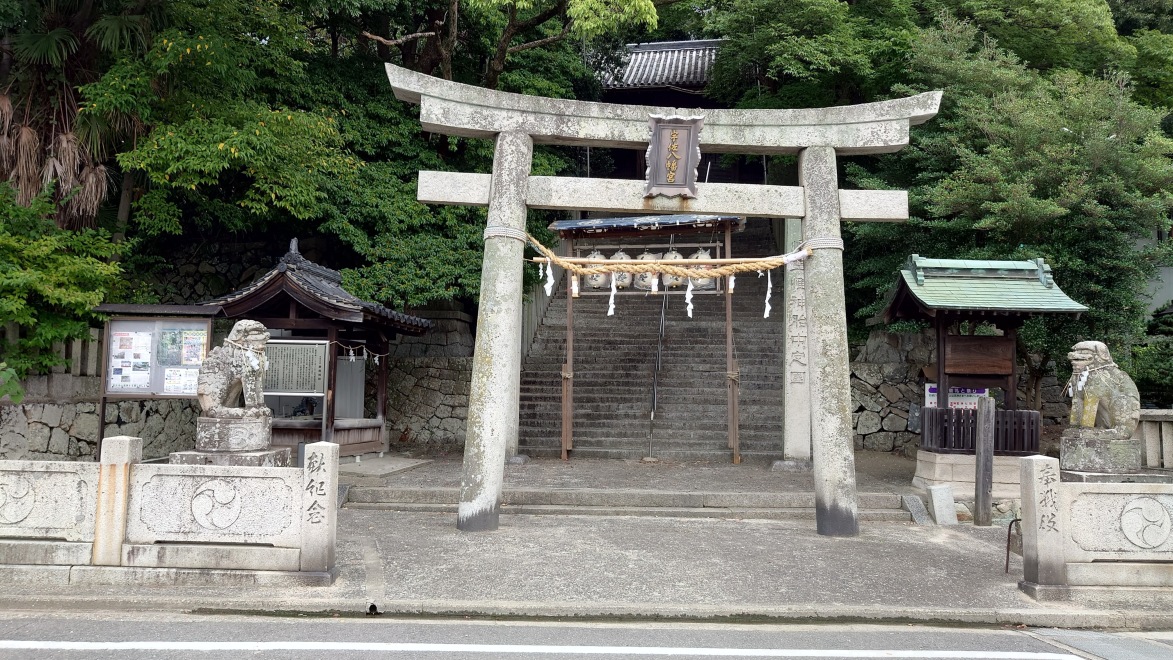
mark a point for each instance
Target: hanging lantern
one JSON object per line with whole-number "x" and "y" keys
{"x": 672, "y": 281}
{"x": 622, "y": 280}
{"x": 647, "y": 281}
{"x": 702, "y": 283}
{"x": 599, "y": 280}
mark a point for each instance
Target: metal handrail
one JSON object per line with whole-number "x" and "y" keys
{"x": 659, "y": 358}
{"x": 656, "y": 373}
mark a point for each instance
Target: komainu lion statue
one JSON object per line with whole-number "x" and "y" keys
{"x": 232, "y": 377}
{"x": 1102, "y": 395}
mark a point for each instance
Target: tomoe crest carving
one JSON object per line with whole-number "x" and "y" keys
{"x": 17, "y": 497}
{"x": 1145, "y": 523}
{"x": 216, "y": 504}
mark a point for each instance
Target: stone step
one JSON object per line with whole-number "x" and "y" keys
{"x": 614, "y": 497}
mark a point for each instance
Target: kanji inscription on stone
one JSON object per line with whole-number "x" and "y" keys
{"x": 674, "y": 153}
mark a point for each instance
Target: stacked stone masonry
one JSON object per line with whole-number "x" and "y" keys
{"x": 427, "y": 400}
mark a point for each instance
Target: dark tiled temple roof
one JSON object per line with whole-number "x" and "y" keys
{"x": 300, "y": 278}
{"x": 666, "y": 64}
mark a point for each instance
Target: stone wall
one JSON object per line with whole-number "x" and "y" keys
{"x": 887, "y": 393}
{"x": 63, "y": 425}
{"x": 427, "y": 400}
{"x": 209, "y": 270}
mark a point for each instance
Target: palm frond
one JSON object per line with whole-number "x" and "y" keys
{"x": 51, "y": 172}
{"x": 28, "y": 156}
{"x": 6, "y": 154}
{"x": 68, "y": 153}
{"x": 50, "y": 47}
{"x": 5, "y": 114}
{"x": 119, "y": 32}
{"x": 83, "y": 206}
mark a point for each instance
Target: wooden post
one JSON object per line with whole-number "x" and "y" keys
{"x": 382, "y": 345}
{"x": 942, "y": 379}
{"x": 983, "y": 462}
{"x": 731, "y": 375}
{"x": 568, "y": 372}
{"x": 331, "y": 382}
{"x": 1011, "y": 397}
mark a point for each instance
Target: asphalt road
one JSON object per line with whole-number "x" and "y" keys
{"x": 134, "y": 636}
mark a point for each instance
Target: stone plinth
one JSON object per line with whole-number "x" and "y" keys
{"x": 1099, "y": 450}
{"x": 275, "y": 457}
{"x": 958, "y": 470}
{"x": 246, "y": 434}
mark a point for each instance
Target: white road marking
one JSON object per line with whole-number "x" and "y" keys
{"x": 527, "y": 649}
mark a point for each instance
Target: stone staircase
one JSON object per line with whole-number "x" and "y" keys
{"x": 615, "y": 360}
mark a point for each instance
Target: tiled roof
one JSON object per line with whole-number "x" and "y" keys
{"x": 325, "y": 284}
{"x": 1020, "y": 287}
{"x": 666, "y": 64}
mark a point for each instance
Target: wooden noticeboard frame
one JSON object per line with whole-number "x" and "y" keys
{"x": 157, "y": 378}
{"x": 162, "y": 353}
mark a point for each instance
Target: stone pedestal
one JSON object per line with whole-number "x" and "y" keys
{"x": 241, "y": 442}
{"x": 1098, "y": 450}
{"x": 272, "y": 457}
{"x": 247, "y": 434}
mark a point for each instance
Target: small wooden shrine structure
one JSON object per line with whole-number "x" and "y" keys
{"x": 308, "y": 301}
{"x": 1002, "y": 294}
{"x": 608, "y": 234}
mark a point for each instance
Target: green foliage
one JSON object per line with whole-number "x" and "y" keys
{"x": 796, "y": 53}
{"x": 50, "y": 280}
{"x": 591, "y": 18}
{"x": 10, "y": 384}
{"x": 1153, "y": 70}
{"x": 1075, "y": 34}
{"x": 1021, "y": 165}
{"x": 212, "y": 146}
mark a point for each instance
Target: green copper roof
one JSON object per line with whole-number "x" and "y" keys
{"x": 1020, "y": 287}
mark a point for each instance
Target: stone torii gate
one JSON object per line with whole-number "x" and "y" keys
{"x": 517, "y": 122}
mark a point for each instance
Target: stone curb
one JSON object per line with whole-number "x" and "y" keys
{"x": 765, "y": 614}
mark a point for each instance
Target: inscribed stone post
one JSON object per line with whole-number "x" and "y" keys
{"x": 494, "y": 391}
{"x": 796, "y": 397}
{"x": 832, "y": 451}
{"x": 319, "y": 524}
{"x": 1043, "y": 562}
{"x": 118, "y": 454}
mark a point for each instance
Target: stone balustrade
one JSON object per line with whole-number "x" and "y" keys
{"x": 71, "y": 521}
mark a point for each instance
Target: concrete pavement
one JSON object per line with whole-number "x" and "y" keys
{"x": 733, "y": 568}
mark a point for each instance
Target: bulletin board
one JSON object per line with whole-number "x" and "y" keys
{"x": 154, "y": 358}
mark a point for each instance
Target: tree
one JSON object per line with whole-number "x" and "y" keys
{"x": 803, "y": 53}
{"x": 50, "y": 281}
{"x": 1047, "y": 34}
{"x": 1019, "y": 165}
{"x": 48, "y": 51}
{"x": 209, "y": 140}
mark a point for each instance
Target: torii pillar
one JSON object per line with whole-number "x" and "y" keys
{"x": 517, "y": 122}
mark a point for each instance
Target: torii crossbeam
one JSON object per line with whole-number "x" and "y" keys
{"x": 517, "y": 122}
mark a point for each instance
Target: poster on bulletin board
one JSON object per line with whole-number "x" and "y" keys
{"x": 155, "y": 357}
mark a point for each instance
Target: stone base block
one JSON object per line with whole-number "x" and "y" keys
{"x": 791, "y": 465}
{"x": 278, "y": 457}
{"x": 129, "y": 576}
{"x": 1098, "y": 450}
{"x": 1142, "y": 477}
{"x": 61, "y": 553}
{"x": 958, "y": 470}
{"x": 212, "y": 556}
{"x": 1045, "y": 591}
{"x": 247, "y": 434}
{"x": 1120, "y": 574}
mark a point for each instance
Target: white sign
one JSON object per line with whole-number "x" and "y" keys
{"x": 959, "y": 397}
{"x": 155, "y": 357}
